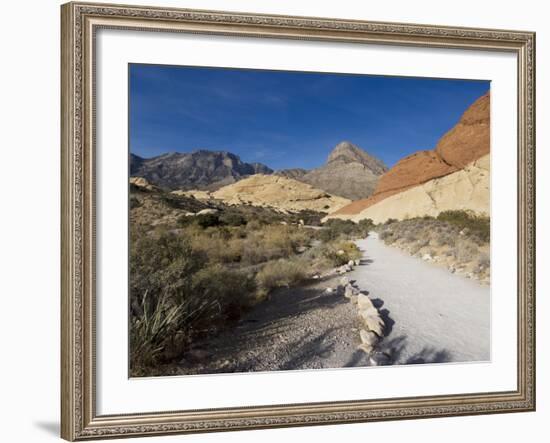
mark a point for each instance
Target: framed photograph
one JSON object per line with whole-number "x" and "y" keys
{"x": 282, "y": 221}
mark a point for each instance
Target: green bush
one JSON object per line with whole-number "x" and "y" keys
{"x": 335, "y": 229}
{"x": 185, "y": 220}
{"x": 162, "y": 265}
{"x": 229, "y": 292}
{"x": 134, "y": 203}
{"x": 208, "y": 220}
{"x": 232, "y": 219}
{"x": 365, "y": 225}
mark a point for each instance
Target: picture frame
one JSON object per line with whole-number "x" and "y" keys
{"x": 79, "y": 178}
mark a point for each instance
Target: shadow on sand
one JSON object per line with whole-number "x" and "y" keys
{"x": 396, "y": 349}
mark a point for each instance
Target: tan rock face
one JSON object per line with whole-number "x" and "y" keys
{"x": 466, "y": 189}
{"x": 464, "y": 144}
{"x": 198, "y": 194}
{"x": 142, "y": 183}
{"x": 279, "y": 192}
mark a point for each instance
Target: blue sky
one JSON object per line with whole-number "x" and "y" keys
{"x": 290, "y": 119}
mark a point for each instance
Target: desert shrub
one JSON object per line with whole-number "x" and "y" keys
{"x": 411, "y": 237}
{"x": 217, "y": 248}
{"x": 309, "y": 217}
{"x": 340, "y": 253}
{"x": 483, "y": 261}
{"x": 365, "y": 225}
{"x": 425, "y": 241}
{"x": 389, "y": 221}
{"x": 279, "y": 273}
{"x": 478, "y": 225}
{"x": 182, "y": 202}
{"x": 185, "y": 220}
{"x": 162, "y": 265}
{"x": 276, "y": 241}
{"x": 229, "y": 292}
{"x": 134, "y": 203}
{"x": 386, "y": 236}
{"x": 465, "y": 250}
{"x": 335, "y": 229}
{"x": 208, "y": 220}
{"x": 445, "y": 238}
{"x": 232, "y": 219}
{"x": 254, "y": 225}
{"x": 414, "y": 248}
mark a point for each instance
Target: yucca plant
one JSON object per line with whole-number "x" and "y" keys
{"x": 160, "y": 320}
{"x": 151, "y": 329}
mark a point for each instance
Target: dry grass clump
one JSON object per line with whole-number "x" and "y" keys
{"x": 341, "y": 252}
{"x": 281, "y": 273}
{"x": 455, "y": 239}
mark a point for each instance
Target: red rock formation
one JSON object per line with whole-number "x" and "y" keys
{"x": 470, "y": 138}
{"x": 467, "y": 141}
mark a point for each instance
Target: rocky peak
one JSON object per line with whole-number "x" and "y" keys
{"x": 347, "y": 152}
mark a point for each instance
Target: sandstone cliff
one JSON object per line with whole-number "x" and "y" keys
{"x": 278, "y": 192}
{"x": 466, "y": 189}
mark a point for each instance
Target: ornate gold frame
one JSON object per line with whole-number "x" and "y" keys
{"x": 79, "y": 420}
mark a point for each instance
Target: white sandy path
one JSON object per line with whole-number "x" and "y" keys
{"x": 433, "y": 315}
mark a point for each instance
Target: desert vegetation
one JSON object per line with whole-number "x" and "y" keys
{"x": 458, "y": 240}
{"x": 197, "y": 267}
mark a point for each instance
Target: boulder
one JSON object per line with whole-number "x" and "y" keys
{"x": 368, "y": 312}
{"x": 348, "y": 292}
{"x": 373, "y": 322}
{"x": 207, "y": 211}
{"x": 344, "y": 281}
{"x": 364, "y": 302}
{"x": 368, "y": 337}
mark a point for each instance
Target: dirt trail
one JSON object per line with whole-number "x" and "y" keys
{"x": 431, "y": 316}
{"x": 298, "y": 328}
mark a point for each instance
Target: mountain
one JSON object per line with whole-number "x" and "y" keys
{"x": 200, "y": 169}
{"x": 349, "y": 172}
{"x": 454, "y": 175}
{"x": 294, "y": 173}
{"x": 278, "y": 192}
